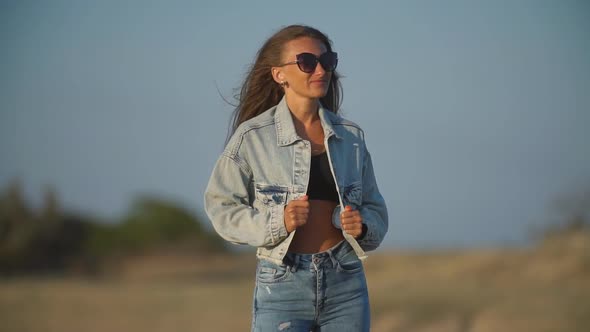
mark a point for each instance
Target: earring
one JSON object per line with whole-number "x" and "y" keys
{"x": 283, "y": 84}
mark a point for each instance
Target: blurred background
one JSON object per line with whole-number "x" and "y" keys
{"x": 113, "y": 113}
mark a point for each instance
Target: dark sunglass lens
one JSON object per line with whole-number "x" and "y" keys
{"x": 329, "y": 61}
{"x": 307, "y": 62}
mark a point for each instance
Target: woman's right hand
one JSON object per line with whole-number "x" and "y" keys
{"x": 296, "y": 213}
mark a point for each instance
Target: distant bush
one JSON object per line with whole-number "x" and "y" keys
{"x": 570, "y": 215}
{"x": 151, "y": 224}
{"x": 52, "y": 240}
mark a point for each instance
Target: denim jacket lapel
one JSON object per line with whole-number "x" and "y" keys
{"x": 285, "y": 128}
{"x": 328, "y": 118}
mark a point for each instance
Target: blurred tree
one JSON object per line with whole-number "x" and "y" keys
{"x": 35, "y": 242}
{"x": 51, "y": 207}
{"x": 153, "y": 222}
{"x": 54, "y": 240}
{"x": 574, "y": 209}
{"x": 17, "y": 228}
{"x": 569, "y": 219}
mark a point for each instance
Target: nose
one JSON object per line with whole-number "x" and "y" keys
{"x": 319, "y": 70}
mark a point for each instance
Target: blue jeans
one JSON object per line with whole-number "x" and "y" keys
{"x": 324, "y": 292}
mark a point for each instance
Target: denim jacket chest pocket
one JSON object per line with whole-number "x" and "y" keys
{"x": 352, "y": 194}
{"x": 347, "y": 161}
{"x": 268, "y": 195}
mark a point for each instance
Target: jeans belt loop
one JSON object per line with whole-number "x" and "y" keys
{"x": 295, "y": 263}
{"x": 333, "y": 259}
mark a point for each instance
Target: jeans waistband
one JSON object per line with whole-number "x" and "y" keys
{"x": 330, "y": 256}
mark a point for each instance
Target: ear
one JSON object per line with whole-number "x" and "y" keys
{"x": 277, "y": 74}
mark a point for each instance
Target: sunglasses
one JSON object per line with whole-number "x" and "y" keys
{"x": 307, "y": 62}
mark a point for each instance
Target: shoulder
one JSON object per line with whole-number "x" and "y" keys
{"x": 261, "y": 121}
{"x": 341, "y": 124}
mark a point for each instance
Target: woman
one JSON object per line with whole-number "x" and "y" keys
{"x": 296, "y": 181}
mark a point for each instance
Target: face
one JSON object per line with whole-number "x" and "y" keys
{"x": 312, "y": 85}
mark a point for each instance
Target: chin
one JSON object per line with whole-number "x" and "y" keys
{"x": 319, "y": 94}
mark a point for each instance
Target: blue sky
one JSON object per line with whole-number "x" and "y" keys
{"x": 476, "y": 112}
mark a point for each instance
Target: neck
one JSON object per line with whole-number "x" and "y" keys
{"x": 304, "y": 110}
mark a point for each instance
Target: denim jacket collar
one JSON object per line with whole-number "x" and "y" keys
{"x": 286, "y": 133}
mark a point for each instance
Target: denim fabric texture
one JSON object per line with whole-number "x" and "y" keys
{"x": 266, "y": 164}
{"x": 324, "y": 292}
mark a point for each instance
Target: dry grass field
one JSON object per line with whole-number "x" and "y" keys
{"x": 546, "y": 288}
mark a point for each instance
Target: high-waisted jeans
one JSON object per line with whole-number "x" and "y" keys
{"x": 324, "y": 292}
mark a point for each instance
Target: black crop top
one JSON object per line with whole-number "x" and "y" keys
{"x": 321, "y": 181}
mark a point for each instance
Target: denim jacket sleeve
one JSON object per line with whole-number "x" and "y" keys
{"x": 228, "y": 206}
{"x": 373, "y": 209}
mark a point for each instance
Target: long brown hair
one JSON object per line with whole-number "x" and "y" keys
{"x": 260, "y": 92}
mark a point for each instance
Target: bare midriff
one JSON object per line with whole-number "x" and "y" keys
{"x": 318, "y": 234}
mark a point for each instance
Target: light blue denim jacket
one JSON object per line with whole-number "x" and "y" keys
{"x": 266, "y": 164}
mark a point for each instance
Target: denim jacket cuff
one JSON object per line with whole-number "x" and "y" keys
{"x": 336, "y": 221}
{"x": 368, "y": 240}
{"x": 278, "y": 231}
{"x": 364, "y": 232}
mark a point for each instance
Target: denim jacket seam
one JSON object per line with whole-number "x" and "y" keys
{"x": 337, "y": 120}
{"x": 244, "y": 129}
{"x": 270, "y": 228}
{"x": 353, "y": 125}
{"x": 276, "y": 224}
{"x": 238, "y": 161}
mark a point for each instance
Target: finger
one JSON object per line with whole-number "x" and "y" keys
{"x": 350, "y": 214}
{"x": 303, "y": 198}
{"x": 295, "y": 213}
{"x": 352, "y": 226}
{"x": 348, "y": 208}
{"x": 296, "y": 203}
{"x": 354, "y": 234}
{"x": 351, "y": 220}
{"x": 303, "y": 215}
{"x": 293, "y": 224}
{"x": 300, "y": 209}
{"x": 296, "y": 209}
{"x": 352, "y": 229}
{"x": 301, "y": 221}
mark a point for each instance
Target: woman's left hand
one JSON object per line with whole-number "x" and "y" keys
{"x": 352, "y": 222}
